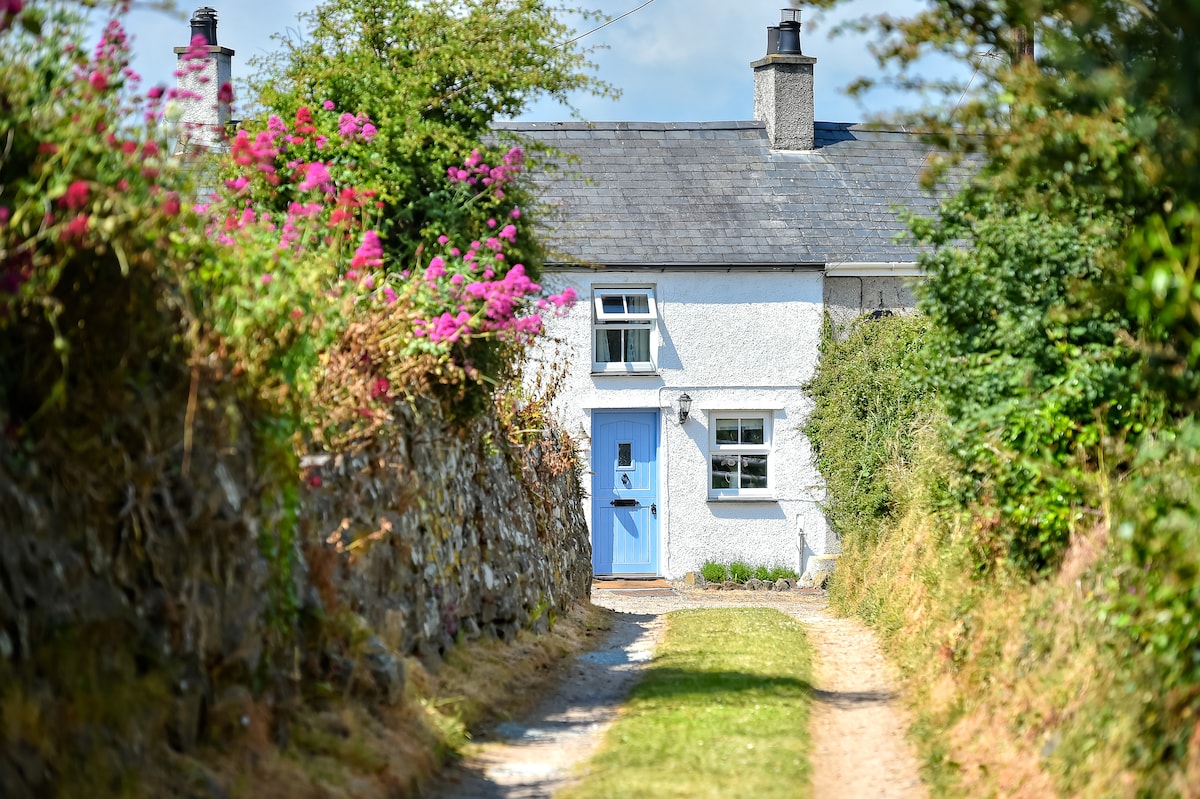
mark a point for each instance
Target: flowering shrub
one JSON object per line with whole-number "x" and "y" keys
{"x": 286, "y": 289}
{"x": 285, "y": 267}
{"x": 90, "y": 200}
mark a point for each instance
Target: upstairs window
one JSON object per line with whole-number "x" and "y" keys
{"x": 624, "y": 330}
{"x": 740, "y": 455}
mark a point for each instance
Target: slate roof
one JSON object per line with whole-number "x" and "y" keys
{"x": 715, "y": 194}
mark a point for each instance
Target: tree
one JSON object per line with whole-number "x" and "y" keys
{"x": 433, "y": 76}
{"x": 1062, "y": 289}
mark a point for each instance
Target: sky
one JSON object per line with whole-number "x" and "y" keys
{"x": 674, "y": 60}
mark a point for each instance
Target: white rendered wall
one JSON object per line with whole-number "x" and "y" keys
{"x": 734, "y": 341}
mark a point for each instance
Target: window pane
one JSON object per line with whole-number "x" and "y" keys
{"x": 624, "y": 455}
{"x": 724, "y": 472}
{"x": 637, "y": 345}
{"x": 754, "y": 471}
{"x": 637, "y": 303}
{"x": 612, "y": 304}
{"x": 727, "y": 431}
{"x": 608, "y": 346}
{"x": 752, "y": 431}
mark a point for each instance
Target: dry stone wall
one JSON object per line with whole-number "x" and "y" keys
{"x": 139, "y": 570}
{"x": 442, "y": 532}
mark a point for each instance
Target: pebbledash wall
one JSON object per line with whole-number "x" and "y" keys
{"x": 710, "y": 333}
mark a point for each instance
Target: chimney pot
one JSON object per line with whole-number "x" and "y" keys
{"x": 204, "y": 23}
{"x": 789, "y": 31}
{"x": 773, "y": 40}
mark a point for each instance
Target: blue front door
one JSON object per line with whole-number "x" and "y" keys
{"x": 625, "y": 492}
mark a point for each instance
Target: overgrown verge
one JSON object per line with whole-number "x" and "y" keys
{"x": 1038, "y": 573}
{"x": 1080, "y": 683}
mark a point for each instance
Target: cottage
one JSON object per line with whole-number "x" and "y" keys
{"x": 706, "y": 257}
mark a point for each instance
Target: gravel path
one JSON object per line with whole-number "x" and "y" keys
{"x": 858, "y": 724}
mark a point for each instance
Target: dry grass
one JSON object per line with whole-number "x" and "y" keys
{"x": 338, "y": 749}
{"x": 1015, "y": 691}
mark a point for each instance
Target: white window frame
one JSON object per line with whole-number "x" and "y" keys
{"x": 766, "y": 448}
{"x": 608, "y": 320}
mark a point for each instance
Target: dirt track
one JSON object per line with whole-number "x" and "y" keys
{"x": 858, "y": 724}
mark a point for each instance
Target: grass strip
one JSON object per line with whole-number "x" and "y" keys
{"x": 722, "y": 711}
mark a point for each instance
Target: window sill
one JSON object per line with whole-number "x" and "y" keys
{"x": 768, "y": 499}
{"x": 631, "y": 373}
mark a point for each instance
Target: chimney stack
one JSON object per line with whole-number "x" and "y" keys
{"x": 783, "y": 86}
{"x": 208, "y": 78}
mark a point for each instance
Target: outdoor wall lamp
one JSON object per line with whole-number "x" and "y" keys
{"x": 685, "y": 407}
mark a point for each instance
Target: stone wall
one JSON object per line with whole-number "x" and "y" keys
{"x": 140, "y": 570}
{"x": 847, "y": 298}
{"x": 442, "y": 532}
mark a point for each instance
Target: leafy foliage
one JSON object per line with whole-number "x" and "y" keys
{"x": 714, "y": 572}
{"x": 433, "y": 76}
{"x": 1063, "y": 305}
{"x": 740, "y": 572}
{"x": 1026, "y": 354}
{"x": 867, "y": 399}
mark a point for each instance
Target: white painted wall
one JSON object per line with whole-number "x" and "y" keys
{"x": 734, "y": 340}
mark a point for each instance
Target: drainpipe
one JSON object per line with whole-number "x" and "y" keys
{"x": 801, "y": 543}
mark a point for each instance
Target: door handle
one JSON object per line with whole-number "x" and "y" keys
{"x": 653, "y": 508}
{"x": 624, "y": 503}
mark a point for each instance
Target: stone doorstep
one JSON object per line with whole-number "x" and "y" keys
{"x": 641, "y": 591}
{"x": 622, "y": 583}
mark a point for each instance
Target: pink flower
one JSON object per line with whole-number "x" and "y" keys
{"x": 389, "y": 295}
{"x": 509, "y": 232}
{"x": 515, "y": 213}
{"x": 76, "y": 195}
{"x": 267, "y": 279}
{"x": 77, "y": 227}
{"x": 369, "y": 131}
{"x": 98, "y": 80}
{"x": 370, "y": 252}
{"x": 347, "y": 126}
{"x": 327, "y": 105}
{"x": 316, "y": 175}
{"x": 198, "y": 48}
{"x": 437, "y": 268}
{"x": 443, "y": 239}
{"x": 491, "y": 223}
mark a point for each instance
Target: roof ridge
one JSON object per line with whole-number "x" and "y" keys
{"x": 736, "y": 124}
{"x": 578, "y": 125}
